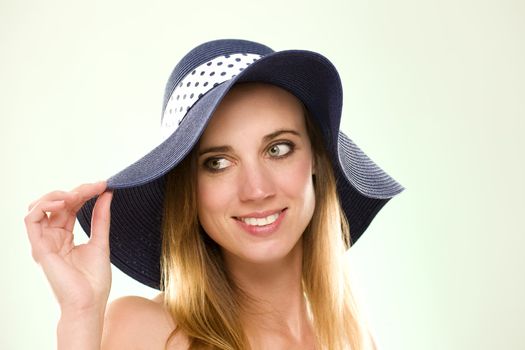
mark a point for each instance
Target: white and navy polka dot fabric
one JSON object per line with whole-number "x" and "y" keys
{"x": 198, "y": 82}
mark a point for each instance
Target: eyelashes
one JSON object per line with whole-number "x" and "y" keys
{"x": 278, "y": 150}
{"x": 216, "y": 164}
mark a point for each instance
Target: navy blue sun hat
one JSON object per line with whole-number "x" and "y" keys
{"x": 194, "y": 89}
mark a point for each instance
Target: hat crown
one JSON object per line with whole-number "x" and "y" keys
{"x": 205, "y": 52}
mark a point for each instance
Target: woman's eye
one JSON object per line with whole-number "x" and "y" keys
{"x": 216, "y": 164}
{"x": 279, "y": 150}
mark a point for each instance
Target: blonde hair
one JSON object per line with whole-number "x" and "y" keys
{"x": 205, "y": 303}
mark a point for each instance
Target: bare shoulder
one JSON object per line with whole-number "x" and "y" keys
{"x": 134, "y": 322}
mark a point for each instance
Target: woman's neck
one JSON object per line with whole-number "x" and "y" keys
{"x": 274, "y": 302}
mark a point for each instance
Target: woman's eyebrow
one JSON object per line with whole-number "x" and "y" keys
{"x": 279, "y": 132}
{"x": 266, "y": 138}
{"x": 215, "y": 149}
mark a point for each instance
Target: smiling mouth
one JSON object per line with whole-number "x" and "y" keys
{"x": 262, "y": 221}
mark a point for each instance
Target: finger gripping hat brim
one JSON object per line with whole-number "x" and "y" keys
{"x": 137, "y": 206}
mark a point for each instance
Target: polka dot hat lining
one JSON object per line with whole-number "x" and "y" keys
{"x": 201, "y": 80}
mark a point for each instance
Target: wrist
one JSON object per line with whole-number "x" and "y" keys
{"x": 72, "y": 314}
{"x": 80, "y": 306}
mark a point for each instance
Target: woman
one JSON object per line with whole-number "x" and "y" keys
{"x": 239, "y": 216}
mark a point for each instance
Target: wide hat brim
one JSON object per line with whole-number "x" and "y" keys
{"x": 138, "y": 190}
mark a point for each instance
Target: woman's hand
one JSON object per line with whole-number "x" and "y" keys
{"x": 79, "y": 275}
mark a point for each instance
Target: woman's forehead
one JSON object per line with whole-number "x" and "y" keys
{"x": 252, "y": 107}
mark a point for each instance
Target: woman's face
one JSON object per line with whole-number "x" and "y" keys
{"x": 255, "y": 192}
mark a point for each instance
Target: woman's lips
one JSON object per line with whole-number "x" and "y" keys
{"x": 261, "y": 224}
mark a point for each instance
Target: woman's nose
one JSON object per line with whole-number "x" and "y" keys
{"x": 255, "y": 183}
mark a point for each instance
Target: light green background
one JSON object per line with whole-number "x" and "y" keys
{"x": 434, "y": 93}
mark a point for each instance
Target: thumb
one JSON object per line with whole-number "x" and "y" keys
{"x": 100, "y": 221}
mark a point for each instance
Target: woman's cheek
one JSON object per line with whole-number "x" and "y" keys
{"x": 296, "y": 179}
{"x": 213, "y": 194}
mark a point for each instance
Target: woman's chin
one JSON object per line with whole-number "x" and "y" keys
{"x": 268, "y": 254}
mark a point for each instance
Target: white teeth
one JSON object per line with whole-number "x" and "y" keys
{"x": 260, "y": 221}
